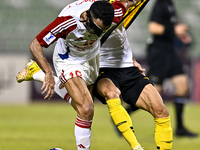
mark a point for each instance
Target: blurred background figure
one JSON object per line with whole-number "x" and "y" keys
{"x": 163, "y": 60}
{"x": 168, "y": 36}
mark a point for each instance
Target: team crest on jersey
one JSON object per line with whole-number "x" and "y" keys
{"x": 49, "y": 38}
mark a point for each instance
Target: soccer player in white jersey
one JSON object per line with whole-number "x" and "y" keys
{"x": 77, "y": 30}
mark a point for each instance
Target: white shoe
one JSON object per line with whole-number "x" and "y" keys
{"x": 138, "y": 147}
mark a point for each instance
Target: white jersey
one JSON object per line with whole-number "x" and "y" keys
{"x": 81, "y": 44}
{"x": 74, "y": 42}
{"x": 116, "y": 51}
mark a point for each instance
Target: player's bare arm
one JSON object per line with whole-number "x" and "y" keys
{"x": 38, "y": 54}
{"x": 156, "y": 28}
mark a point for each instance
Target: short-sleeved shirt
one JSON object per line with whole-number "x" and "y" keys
{"x": 164, "y": 13}
{"x": 74, "y": 42}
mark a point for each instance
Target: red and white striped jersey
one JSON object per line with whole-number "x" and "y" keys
{"x": 74, "y": 42}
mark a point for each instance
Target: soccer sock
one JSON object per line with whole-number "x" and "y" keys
{"x": 39, "y": 76}
{"x": 61, "y": 92}
{"x": 179, "y": 103}
{"x": 122, "y": 120}
{"x": 163, "y": 133}
{"x": 83, "y": 134}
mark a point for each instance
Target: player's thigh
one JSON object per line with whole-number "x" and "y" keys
{"x": 107, "y": 89}
{"x": 151, "y": 101}
{"x": 180, "y": 83}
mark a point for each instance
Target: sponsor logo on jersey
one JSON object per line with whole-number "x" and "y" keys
{"x": 49, "y": 38}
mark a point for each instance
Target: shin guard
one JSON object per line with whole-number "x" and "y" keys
{"x": 163, "y": 133}
{"x": 122, "y": 120}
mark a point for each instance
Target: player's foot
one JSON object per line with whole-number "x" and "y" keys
{"x": 185, "y": 132}
{"x": 138, "y": 147}
{"x": 27, "y": 73}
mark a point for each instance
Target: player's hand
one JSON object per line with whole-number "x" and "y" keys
{"x": 136, "y": 64}
{"x": 48, "y": 86}
{"x": 186, "y": 38}
{"x": 181, "y": 29}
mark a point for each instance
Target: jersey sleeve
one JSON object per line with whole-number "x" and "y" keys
{"x": 120, "y": 10}
{"x": 59, "y": 28}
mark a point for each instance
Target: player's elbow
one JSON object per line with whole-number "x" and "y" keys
{"x": 34, "y": 45}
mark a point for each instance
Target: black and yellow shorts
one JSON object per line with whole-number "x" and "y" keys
{"x": 128, "y": 80}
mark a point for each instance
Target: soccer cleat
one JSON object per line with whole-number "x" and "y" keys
{"x": 56, "y": 149}
{"x": 138, "y": 147}
{"x": 185, "y": 132}
{"x": 27, "y": 73}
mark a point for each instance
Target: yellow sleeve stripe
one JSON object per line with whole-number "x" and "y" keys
{"x": 133, "y": 11}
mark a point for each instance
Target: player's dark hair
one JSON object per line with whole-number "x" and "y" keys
{"x": 104, "y": 11}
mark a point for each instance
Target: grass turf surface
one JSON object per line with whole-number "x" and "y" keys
{"x": 46, "y": 125}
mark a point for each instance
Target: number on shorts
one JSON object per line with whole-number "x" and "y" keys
{"x": 77, "y": 73}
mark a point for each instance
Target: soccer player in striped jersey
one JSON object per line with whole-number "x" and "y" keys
{"x": 77, "y": 30}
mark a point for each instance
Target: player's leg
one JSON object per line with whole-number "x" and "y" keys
{"x": 32, "y": 72}
{"x": 120, "y": 117}
{"x": 82, "y": 127}
{"x": 151, "y": 101}
{"x": 76, "y": 77}
{"x": 181, "y": 86}
{"x": 83, "y": 104}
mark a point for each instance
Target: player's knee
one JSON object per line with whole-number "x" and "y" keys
{"x": 112, "y": 93}
{"x": 161, "y": 112}
{"x": 181, "y": 88}
{"x": 182, "y": 91}
{"x": 86, "y": 111}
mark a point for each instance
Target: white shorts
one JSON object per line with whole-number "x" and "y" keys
{"x": 67, "y": 69}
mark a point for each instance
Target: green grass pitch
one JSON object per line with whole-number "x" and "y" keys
{"x": 41, "y": 126}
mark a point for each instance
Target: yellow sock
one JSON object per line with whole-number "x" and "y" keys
{"x": 163, "y": 133}
{"x": 122, "y": 120}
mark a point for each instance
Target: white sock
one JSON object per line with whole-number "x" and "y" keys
{"x": 39, "y": 76}
{"x": 61, "y": 92}
{"x": 83, "y": 134}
